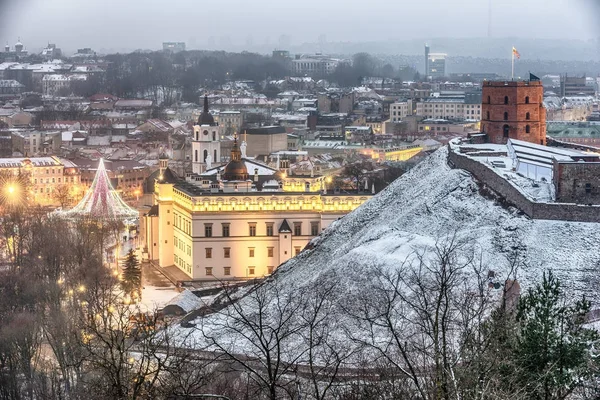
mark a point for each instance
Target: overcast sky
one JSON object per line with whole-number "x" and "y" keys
{"x": 132, "y": 24}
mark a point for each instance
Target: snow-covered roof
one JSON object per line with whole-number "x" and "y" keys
{"x": 186, "y": 300}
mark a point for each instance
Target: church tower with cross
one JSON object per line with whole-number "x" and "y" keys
{"x": 206, "y": 142}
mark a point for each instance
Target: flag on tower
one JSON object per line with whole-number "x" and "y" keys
{"x": 516, "y": 53}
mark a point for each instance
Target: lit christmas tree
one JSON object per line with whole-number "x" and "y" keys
{"x": 101, "y": 201}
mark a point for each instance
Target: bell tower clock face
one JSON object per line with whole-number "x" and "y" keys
{"x": 205, "y": 133}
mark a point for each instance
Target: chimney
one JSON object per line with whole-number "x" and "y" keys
{"x": 255, "y": 175}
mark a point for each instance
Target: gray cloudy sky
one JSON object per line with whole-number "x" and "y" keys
{"x": 131, "y": 24}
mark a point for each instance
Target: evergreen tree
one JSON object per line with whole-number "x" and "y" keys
{"x": 554, "y": 351}
{"x": 132, "y": 274}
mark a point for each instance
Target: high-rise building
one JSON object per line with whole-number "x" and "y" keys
{"x": 575, "y": 86}
{"x": 174, "y": 47}
{"x": 437, "y": 65}
{"x": 426, "y": 60}
{"x": 513, "y": 110}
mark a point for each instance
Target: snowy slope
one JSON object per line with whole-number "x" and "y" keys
{"x": 426, "y": 205}
{"x": 431, "y": 202}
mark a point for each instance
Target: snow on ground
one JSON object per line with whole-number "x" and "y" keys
{"x": 426, "y": 205}
{"x": 154, "y": 298}
{"x": 541, "y": 192}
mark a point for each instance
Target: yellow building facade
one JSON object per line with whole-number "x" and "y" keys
{"x": 239, "y": 235}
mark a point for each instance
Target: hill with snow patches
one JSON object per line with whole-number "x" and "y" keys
{"x": 428, "y": 205}
{"x": 431, "y": 202}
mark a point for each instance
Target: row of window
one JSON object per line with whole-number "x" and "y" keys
{"x": 208, "y": 252}
{"x": 225, "y": 229}
{"x": 181, "y": 245}
{"x": 35, "y": 181}
{"x": 182, "y": 223}
{"x": 506, "y": 100}
{"x": 182, "y": 264}
{"x": 227, "y": 271}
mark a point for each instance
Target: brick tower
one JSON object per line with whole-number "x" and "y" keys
{"x": 513, "y": 110}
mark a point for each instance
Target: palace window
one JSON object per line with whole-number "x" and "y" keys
{"x": 225, "y": 230}
{"x": 226, "y": 270}
{"x": 297, "y": 250}
{"x": 208, "y": 251}
{"x": 226, "y": 252}
{"x": 314, "y": 228}
{"x": 527, "y": 116}
{"x": 270, "y": 270}
{"x": 269, "y": 229}
{"x": 252, "y": 228}
{"x": 297, "y": 228}
{"x": 250, "y": 270}
{"x": 269, "y": 251}
{"x": 208, "y": 271}
{"x": 527, "y": 129}
{"x": 505, "y": 99}
{"x": 208, "y": 230}
{"x": 251, "y": 252}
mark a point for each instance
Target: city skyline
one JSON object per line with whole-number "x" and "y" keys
{"x": 234, "y": 24}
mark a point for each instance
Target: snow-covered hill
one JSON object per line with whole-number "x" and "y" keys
{"x": 427, "y": 205}
{"x": 431, "y": 202}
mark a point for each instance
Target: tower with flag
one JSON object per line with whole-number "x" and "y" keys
{"x": 515, "y": 54}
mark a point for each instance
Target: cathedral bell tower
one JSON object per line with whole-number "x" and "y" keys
{"x": 206, "y": 142}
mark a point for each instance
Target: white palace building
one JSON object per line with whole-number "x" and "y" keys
{"x": 239, "y": 220}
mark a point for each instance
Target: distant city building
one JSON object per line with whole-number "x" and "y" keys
{"x": 455, "y": 105}
{"x": 586, "y": 133}
{"x": 426, "y": 60}
{"x": 281, "y": 54}
{"x": 13, "y": 55}
{"x": 315, "y": 65}
{"x": 514, "y": 110}
{"x": 44, "y": 176}
{"x": 174, "y": 47}
{"x": 436, "y": 65}
{"x": 576, "y": 86}
{"x": 86, "y": 52}
{"x": 51, "y": 52}
{"x": 60, "y": 85}
{"x": 10, "y": 89}
{"x": 400, "y": 110}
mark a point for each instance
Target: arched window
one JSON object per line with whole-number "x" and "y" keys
{"x": 215, "y": 157}
{"x": 505, "y": 130}
{"x": 527, "y": 100}
{"x": 196, "y": 155}
{"x": 205, "y": 155}
{"x": 197, "y": 135}
{"x": 505, "y": 99}
{"x": 527, "y": 116}
{"x": 527, "y": 129}
{"x": 214, "y": 136}
{"x": 506, "y": 116}
{"x": 488, "y": 115}
{"x": 489, "y": 100}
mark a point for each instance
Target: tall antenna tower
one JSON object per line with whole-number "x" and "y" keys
{"x": 489, "y": 18}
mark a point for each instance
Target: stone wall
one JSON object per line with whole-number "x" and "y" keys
{"x": 551, "y": 211}
{"x": 576, "y": 181}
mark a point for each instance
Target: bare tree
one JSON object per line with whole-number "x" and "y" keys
{"x": 259, "y": 336}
